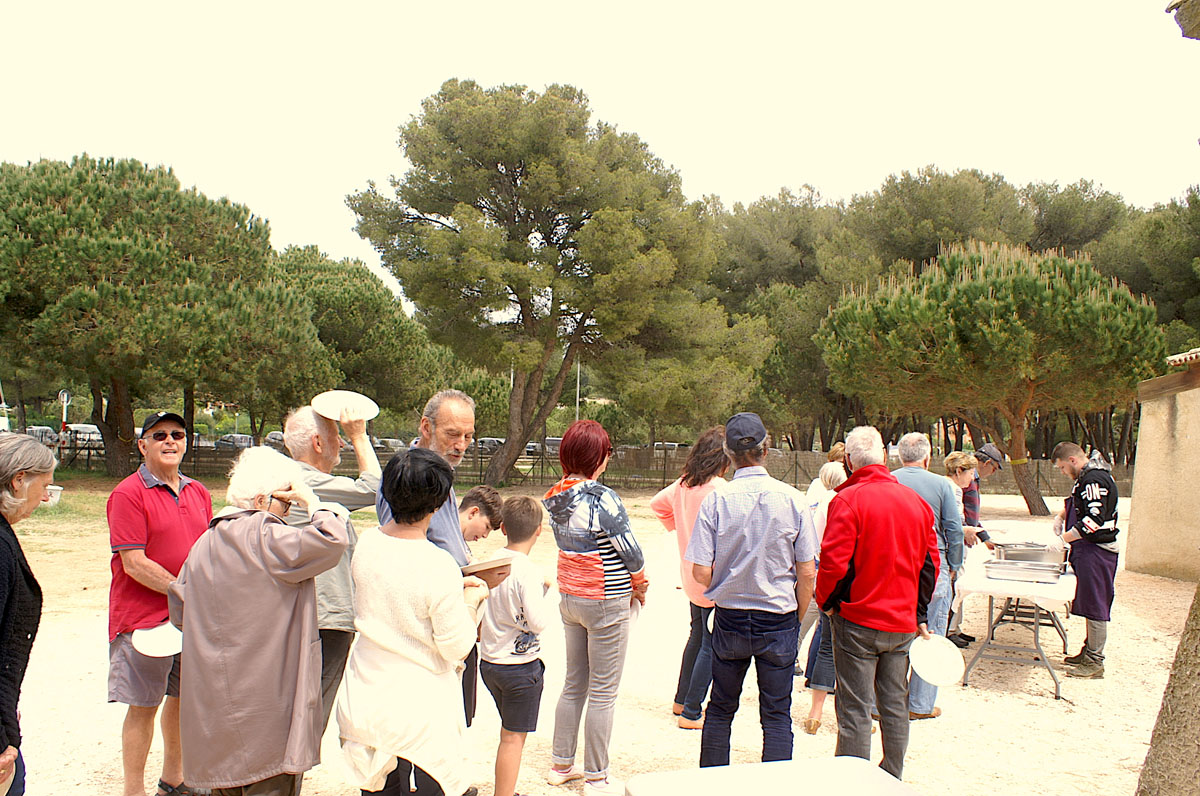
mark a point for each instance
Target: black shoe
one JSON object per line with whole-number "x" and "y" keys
{"x": 471, "y": 791}
{"x": 965, "y": 637}
{"x": 1075, "y": 660}
{"x": 959, "y": 642}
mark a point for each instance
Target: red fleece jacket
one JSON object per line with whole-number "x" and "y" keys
{"x": 879, "y": 557}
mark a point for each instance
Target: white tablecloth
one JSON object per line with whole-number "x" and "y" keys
{"x": 851, "y": 775}
{"x": 1049, "y": 596}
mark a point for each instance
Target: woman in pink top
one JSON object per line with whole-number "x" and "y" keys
{"x": 677, "y": 506}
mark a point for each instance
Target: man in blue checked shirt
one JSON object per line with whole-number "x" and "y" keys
{"x": 753, "y": 547}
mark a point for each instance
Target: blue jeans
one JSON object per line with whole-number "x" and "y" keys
{"x": 821, "y": 676}
{"x": 18, "y": 784}
{"x": 695, "y": 670}
{"x": 770, "y": 641}
{"x": 922, "y": 695}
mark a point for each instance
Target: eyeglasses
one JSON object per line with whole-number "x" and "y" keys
{"x": 287, "y": 505}
{"x": 610, "y": 450}
{"x": 159, "y": 436}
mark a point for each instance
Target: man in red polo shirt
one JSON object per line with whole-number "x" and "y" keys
{"x": 154, "y": 518}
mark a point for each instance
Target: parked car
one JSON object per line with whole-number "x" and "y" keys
{"x": 490, "y": 444}
{"x": 275, "y": 440}
{"x": 389, "y": 443}
{"x": 85, "y": 435}
{"x": 552, "y": 444}
{"x": 234, "y": 442}
{"x": 43, "y": 434}
{"x": 533, "y": 448}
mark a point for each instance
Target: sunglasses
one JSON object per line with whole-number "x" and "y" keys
{"x": 159, "y": 436}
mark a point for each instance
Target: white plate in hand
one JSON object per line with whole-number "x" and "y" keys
{"x": 332, "y": 403}
{"x": 936, "y": 660}
{"x": 158, "y": 642}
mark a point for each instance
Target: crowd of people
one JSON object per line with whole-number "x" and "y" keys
{"x": 289, "y": 615}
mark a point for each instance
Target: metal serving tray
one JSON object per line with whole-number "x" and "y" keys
{"x": 1028, "y": 571}
{"x": 1029, "y": 551}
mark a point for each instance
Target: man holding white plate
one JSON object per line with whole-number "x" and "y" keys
{"x": 312, "y": 439}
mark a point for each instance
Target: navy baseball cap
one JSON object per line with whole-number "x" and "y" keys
{"x": 744, "y": 431}
{"x": 158, "y": 417}
{"x": 992, "y": 454}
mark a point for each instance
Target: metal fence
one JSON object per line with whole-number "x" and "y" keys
{"x": 630, "y": 468}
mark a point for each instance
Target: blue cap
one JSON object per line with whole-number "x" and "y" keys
{"x": 744, "y": 431}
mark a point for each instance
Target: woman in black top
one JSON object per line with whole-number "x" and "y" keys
{"x": 26, "y": 469}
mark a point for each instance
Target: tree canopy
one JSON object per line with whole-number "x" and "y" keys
{"x": 993, "y": 327}
{"x": 527, "y": 236}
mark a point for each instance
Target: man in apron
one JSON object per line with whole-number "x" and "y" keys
{"x": 1088, "y": 522}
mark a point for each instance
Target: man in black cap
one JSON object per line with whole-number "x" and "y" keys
{"x": 753, "y": 549}
{"x": 154, "y": 518}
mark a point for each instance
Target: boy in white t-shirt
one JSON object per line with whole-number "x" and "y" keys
{"x": 517, "y": 611}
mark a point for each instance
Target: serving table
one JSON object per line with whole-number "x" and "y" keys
{"x": 1030, "y": 605}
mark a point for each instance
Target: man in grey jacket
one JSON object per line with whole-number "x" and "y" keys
{"x": 915, "y": 452}
{"x": 314, "y": 442}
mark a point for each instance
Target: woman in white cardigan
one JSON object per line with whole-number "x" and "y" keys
{"x": 399, "y": 709}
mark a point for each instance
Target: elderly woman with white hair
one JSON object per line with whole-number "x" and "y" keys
{"x": 26, "y": 470}
{"x": 250, "y": 707}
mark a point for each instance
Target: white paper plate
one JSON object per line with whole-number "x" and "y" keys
{"x": 158, "y": 642}
{"x": 331, "y": 403}
{"x": 936, "y": 660}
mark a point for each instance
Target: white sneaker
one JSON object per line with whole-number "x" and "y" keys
{"x": 555, "y": 777}
{"x": 603, "y": 787}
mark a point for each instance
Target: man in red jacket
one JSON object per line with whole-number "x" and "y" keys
{"x": 879, "y": 564}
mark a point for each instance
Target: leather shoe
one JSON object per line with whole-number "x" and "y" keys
{"x": 967, "y": 637}
{"x": 959, "y": 641}
{"x": 933, "y": 714}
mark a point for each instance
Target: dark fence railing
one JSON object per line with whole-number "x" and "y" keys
{"x": 630, "y": 468}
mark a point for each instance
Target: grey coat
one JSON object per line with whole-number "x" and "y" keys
{"x": 250, "y": 691}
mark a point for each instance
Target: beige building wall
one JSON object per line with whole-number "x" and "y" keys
{"x": 1164, "y": 526}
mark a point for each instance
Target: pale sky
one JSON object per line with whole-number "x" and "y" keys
{"x": 288, "y": 106}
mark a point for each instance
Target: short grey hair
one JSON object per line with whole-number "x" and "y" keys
{"x": 914, "y": 447}
{"x": 434, "y": 404}
{"x": 832, "y": 474}
{"x": 20, "y": 453}
{"x": 864, "y": 446}
{"x": 258, "y": 471}
{"x": 301, "y": 427}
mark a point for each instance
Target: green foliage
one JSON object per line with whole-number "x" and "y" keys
{"x": 523, "y": 233}
{"x": 1070, "y": 218}
{"x": 370, "y": 340}
{"x": 993, "y": 327}
{"x": 1158, "y": 253}
{"x": 773, "y": 241}
{"x": 912, "y": 215}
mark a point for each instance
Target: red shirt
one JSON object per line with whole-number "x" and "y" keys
{"x": 879, "y": 556}
{"x": 144, "y": 513}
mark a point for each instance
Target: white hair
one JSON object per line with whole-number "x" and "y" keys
{"x": 832, "y": 474}
{"x": 20, "y": 453}
{"x": 864, "y": 446}
{"x": 260, "y": 471}
{"x": 435, "y": 403}
{"x": 914, "y": 447}
{"x": 302, "y": 426}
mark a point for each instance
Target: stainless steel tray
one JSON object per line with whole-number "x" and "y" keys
{"x": 1029, "y": 551}
{"x": 1027, "y": 571}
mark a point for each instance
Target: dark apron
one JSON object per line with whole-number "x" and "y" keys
{"x": 1096, "y": 570}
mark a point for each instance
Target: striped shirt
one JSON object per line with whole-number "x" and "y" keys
{"x": 753, "y": 533}
{"x": 598, "y": 556}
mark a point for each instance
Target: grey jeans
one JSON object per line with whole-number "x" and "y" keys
{"x": 597, "y": 634}
{"x": 871, "y": 665}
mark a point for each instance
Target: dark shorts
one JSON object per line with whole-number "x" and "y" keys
{"x": 517, "y": 689}
{"x": 137, "y": 679}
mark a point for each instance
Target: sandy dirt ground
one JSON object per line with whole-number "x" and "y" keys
{"x": 1004, "y": 734}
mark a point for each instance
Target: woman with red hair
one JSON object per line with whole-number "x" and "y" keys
{"x": 600, "y": 573}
